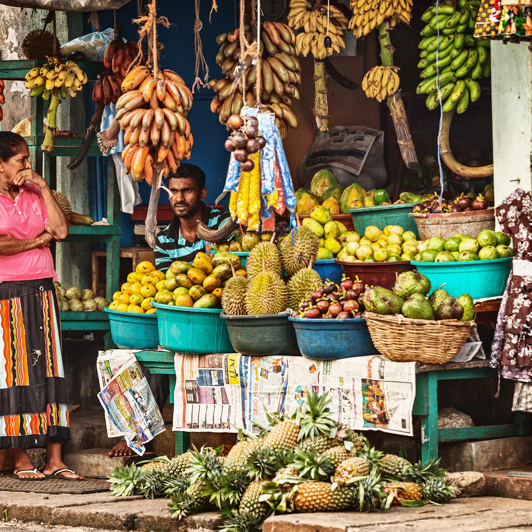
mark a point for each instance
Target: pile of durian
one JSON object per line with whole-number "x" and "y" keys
{"x": 264, "y": 290}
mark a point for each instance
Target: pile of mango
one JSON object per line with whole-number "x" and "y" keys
{"x": 198, "y": 284}
{"x": 243, "y": 241}
{"x": 326, "y": 190}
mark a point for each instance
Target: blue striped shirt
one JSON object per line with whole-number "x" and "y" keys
{"x": 172, "y": 246}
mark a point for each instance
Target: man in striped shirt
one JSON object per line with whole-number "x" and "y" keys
{"x": 179, "y": 240}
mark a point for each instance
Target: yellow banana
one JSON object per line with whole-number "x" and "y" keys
{"x": 35, "y": 82}
{"x": 69, "y": 80}
{"x": 50, "y": 84}
{"x": 33, "y": 73}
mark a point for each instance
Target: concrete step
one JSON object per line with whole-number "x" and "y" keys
{"x": 499, "y": 484}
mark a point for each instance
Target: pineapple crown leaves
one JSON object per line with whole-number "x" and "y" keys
{"x": 203, "y": 464}
{"x": 189, "y": 502}
{"x": 438, "y": 490}
{"x": 279, "y": 500}
{"x": 125, "y": 480}
{"x": 163, "y": 459}
{"x": 225, "y": 490}
{"x": 263, "y": 463}
{"x": 371, "y": 455}
{"x": 368, "y": 492}
{"x": 244, "y": 522}
{"x": 173, "y": 486}
{"x": 314, "y": 418}
{"x": 312, "y": 466}
{"x": 151, "y": 484}
{"x": 421, "y": 472}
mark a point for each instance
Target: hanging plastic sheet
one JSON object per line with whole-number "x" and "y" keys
{"x": 67, "y": 5}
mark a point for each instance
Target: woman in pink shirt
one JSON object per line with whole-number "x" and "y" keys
{"x": 33, "y": 402}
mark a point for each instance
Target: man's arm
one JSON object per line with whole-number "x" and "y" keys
{"x": 13, "y": 246}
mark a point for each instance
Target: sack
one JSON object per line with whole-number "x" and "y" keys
{"x": 92, "y": 45}
{"x": 352, "y": 153}
{"x": 66, "y": 5}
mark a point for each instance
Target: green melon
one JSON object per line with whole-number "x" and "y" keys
{"x": 352, "y": 193}
{"x": 323, "y": 181}
{"x": 334, "y": 192}
{"x": 305, "y": 201}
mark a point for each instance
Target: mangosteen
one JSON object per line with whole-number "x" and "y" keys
{"x": 247, "y": 165}
{"x": 335, "y": 309}
{"x": 239, "y": 141}
{"x": 313, "y": 313}
{"x": 322, "y": 305}
{"x": 344, "y": 316}
{"x": 229, "y": 146}
{"x": 241, "y": 155}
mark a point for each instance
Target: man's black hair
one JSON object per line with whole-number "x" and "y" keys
{"x": 189, "y": 170}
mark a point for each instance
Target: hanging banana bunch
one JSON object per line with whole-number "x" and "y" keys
{"x": 2, "y": 99}
{"x": 55, "y": 81}
{"x": 368, "y": 15}
{"x": 280, "y": 70}
{"x": 317, "y": 20}
{"x": 381, "y": 82}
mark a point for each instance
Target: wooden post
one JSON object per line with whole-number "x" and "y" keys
{"x": 395, "y": 103}
{"x": 321, "y": 106}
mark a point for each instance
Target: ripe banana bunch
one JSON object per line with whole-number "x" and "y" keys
{"x": 381, "y": 82}
{"x": 280, "y": 70}
{"x": 56, "y": 78}
{"x": 2, "y": 99}
{"x": 107, "y": 89}
{"x": 317, "y": 21}
{"x": 368, "y": 15}
{"x": 152, "y": 112}
{"x": 119, "y": 55}
{"x": 451, "y": 59}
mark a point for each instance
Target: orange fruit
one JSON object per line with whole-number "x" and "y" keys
{"x": 159, "y": 274}
{"x": 124, "y": 298}
{"x": 134, "y": 277}
{"x": 135, "y": 299}
{"x": 160, "y": 286}
{"x": 151, "y": 311}
{"x": 135, "y": 288}
{"x": 149, "y": 279}
{"x": 114, "y": 305}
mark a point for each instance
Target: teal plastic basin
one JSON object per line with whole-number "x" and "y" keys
{"x": 329, "y": 269}
{"x": 242, "y": 254}
{"x": 133, "y": 331}
{"x": 478, "y": 278}
{"x": 192, "y": 330}
{"x": 381, "y": 216}
{"x": 321, "y": 339}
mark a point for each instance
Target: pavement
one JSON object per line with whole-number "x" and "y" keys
{"x": 32, "y": 512}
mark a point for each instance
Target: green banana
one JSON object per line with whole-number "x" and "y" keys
{"x": 486, "y": 43}
{"x": 424, "y": 63}
{"x": 433, "y": 69}
{"x": 444, "y": 9}
{"x": 442, "y": 54}
{"x": 449, "y": 105}
{"x": 460, "y": 60}
{"x": 422, "y": 88}
{"x": 463, "y": 70}
{"x": 438, "y": 21}
{"x": 473, "y": 58}
{"x": 459, "y": 88}
{"x": 431, "y": 100}
{"x": 446, "y": 70}
{"x": 486, "y": 69}
{"x": 471, "y": 26}
{"x": 63, "y": 93}
{"x": 454, "y": 20}
{"x": 474, "y": 89}
{"x": 461, "y": 3}
{"x": 456, "y": 52}
{"x": 424, "y": 44}
{"x": 429, "y": 13}
{"x": 459, "y": 40}
{"x": 445, "y": 91}
{"x": 463, "y": 102}
{"x": 448, "y": 31}
{"x": 470, "y": 41}
{"x": 442, "y": 43}
{"x": 464, "y": 16}
{"x": 461, "y": 28}
{"x": 482, "y": 54}
{"x": 37, "y": 91}
{"x": 423, "y": 54}
{"x": 46, "y": 95}
{"x": 477, "y": 70}
{"x": 427, "y": 31}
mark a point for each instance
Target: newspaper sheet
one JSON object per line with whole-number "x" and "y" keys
{"x": 225, "y": 393}
{"x": 131, "y": 410}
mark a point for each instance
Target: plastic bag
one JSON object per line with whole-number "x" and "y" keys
{"x": 93, "y": 45}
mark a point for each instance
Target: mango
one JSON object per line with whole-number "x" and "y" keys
{"x": 224, "y": 257}
{"x": 305, "y": 201}
{"x": 324, "y": 253}
{"x": 145, "y": 267}
{"x": 203, "y": 262}
{"x": 333, "y": 245}
{"x": 333, "y": 205}
{"x": 351, "y": 194}
{"x": 331, "y": 229}
{"x": 184, "y": 280}
{"x": 196, "y": 275}
{"x": 170, "y": 284}
{"x": 160, "y": 286}
{"x": 196, "y": 292}
{"x": 211, "y": 283}
{"x": 206, "y": 301}
{"x": 218, "y": 293}
{"x": 180, "y": 290}
{"x": 223, "y": 271}
{"x": 368, "y": 202}
{"x": 169, "y": 273}
{"x": 323, "y": 181}
{"x": 321, "y": 215}
{"x": 235, "y": 246}
{"x": 183, "y": 300}
{"x": 179, "y": 266}
{"x": 146, "y": 304}
{"x": 136, "y": 309}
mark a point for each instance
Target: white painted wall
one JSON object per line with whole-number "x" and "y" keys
{"x": 511, "y": 86}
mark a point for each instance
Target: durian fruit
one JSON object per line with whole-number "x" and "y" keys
{"x": 39, "y": 44}
{"x": 72, "y": 217}
{"x": 301, "y": 285}
{"x": 266, "y": 294}
{"x": 234, "y": 296}
{"x": 299, "y": 249}
{"x": 266, "y": 252}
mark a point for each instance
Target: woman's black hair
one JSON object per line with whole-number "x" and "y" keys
{"x": 10, "y": 144}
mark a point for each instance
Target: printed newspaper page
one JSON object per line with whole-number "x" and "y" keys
{"x": 225, "y": 393}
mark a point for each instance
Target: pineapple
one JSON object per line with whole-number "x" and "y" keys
{"x": 155, "y": 464}
{"x": 337, "y": 455}
{"x": 172, "y": 486}
{"x": 203, "y": 464}
{"x": 371, "y": 455}
{"x": 404, "y": 494}
{"x": 421, "y": 473}
{"x": 319, "y": 444}
{"x": 317, "y": 419}
{"x": 346, "y": 434}
{"x": 253, "y": 445}
{"x": 226, "y": 489}
{"x": 321, "y": 497}
{"x": 178, "y": 465}
{"x": 438, "y": 490}
{"x": 369, "y": 492}
{"x": 151, "y": 485}
{"x": 393, "y": 465}
{"x": 351, "y": 468}
{"x": 192, "y": 501}
{"x": 125, "y": 480}
{"x": 262, "y": 463}
{"x": 282, "y": 436}
{"x": 235, "y": 457}
{"x": 311, "y": 466}
{"x": 250, "y": 504}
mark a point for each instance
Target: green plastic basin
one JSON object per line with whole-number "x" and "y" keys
{"x": 192, "y": 330}
{"x": 271, "y": 334}
{"x": 133, "y": 331}
{"x": 478, "y": 278}
{"x": 381, "y": 216}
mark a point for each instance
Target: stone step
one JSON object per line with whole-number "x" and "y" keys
{"x": 499, "y": 484}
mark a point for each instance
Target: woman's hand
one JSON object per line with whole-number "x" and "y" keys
{"x": 44, "y": 239}
{"x": 30, "y": 175}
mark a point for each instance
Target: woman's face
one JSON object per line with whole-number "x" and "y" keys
{"x": 12, "y": 166}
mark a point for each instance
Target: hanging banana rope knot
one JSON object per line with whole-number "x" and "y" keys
{"x": 201, "y": 64}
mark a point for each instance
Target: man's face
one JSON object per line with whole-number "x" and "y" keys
{"x": 186, "y": 197}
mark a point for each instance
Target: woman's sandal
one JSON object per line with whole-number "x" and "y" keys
{"x": 57, "y": 474}
{"x": 16, "y": 474}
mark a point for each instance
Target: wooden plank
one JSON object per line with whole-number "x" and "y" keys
{"x": 472, "y": 373}
{"x": 493, "y": 305}
{"x": 421, "y": 400}
{"x": 421, "y": 368}
{"x": 478, "y": 433}
{"x": 429, "y": 423}
{"x": 98, "y": 230}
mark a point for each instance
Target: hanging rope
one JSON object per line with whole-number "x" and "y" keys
{"x": 54, "y": 30}
{"x": 94, "y": 20}
{"x": 213, "y": 8}
{"x": 201, "y": 64}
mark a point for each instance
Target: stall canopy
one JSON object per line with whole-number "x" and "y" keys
{"x": 67, "y": 5}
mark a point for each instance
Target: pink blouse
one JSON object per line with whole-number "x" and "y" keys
{"x": 25, "y": 218}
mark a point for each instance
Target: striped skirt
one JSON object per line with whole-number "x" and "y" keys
{"x": 33, "y": 395}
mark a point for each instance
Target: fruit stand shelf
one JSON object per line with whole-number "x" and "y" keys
{"x": 64, "y": 146}
{"x": 16, "y": 70}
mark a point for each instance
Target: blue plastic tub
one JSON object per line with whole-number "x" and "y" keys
{"x": 133, "y": 331}
{"x": 333, "y": 339}
{"x": 382, "y": 215}
{"x": 192, "y": 330}
{"x": 242, "y": 254}
{"x": 478, "y": 278}
{"x": 329, "y": 269}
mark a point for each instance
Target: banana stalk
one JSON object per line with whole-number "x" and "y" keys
{"x": 450, "y": 161}
{"x": 51, "y": 122}
{"x": 321, "y": 106}
{"x": 396, "y": 105}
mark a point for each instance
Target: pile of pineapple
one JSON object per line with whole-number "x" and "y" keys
{"x": 305, "y": 463}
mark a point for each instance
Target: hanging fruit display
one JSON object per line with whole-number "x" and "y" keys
{"x": 381, "y": 82}
{"x": 317, "y": 20}
{"x": 245, "y": 140}
{"x": 117, "y": 59}
{"x": 54, "y": 81}
{"x": 280, "y": 75}
{"x": 370, "y": 15}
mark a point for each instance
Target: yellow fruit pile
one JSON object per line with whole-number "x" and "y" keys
{"x": 198, "y": 284}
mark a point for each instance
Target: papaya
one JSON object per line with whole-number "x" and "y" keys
{"x": 333, "y": 205}
{"x": 351, "y": 194}
{"x": 334, "y": 192}
{"x": 323, "y": 181}
{"x": 305, "y": 201}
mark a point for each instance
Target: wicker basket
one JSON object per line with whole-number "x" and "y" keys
{"x": 425, "y": 341}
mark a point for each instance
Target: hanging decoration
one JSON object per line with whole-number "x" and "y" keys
{"x": 201, "y": 64}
